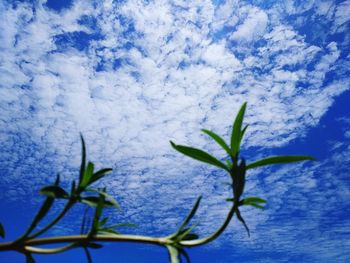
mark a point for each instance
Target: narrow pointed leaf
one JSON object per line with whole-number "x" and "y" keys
{"x": 99, "y": 174}
{"x": 88, "y": 255}
{"x": 87, "y": 174}
{"x": 190, "y": 215}
{"x": 54, "y": 191}
{"x": 229, "y": 165}
{"x": 243, "y": 131}
{"x": 2, "y": 231}
{"x": 83, "y": 159}
{"x": 42, "y": 212}
{"x": 110, "y": 199}
{"x": 256, "y": 205}
{"x": 186, "y": 232}
{"x": 107, "y": 231}
{"x": 97, "y": 215}
{"x": 236, "y": 134}
{"x": 219, "y": 140}
{"x": 253, "y": 200}
{"x": 279, "y": 160}
{"x": 93, "y": 201}
{"x": 57, "y": 181}
{"x": 199, "y": 155}
{"x": 240, "y": 218}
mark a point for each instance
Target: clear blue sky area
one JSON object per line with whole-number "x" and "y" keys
{"x": 133, "y": 75}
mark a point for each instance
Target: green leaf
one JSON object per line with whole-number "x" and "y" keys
{"x": 236, "y": 134}
{"x": 185, "y": 232}
{"x": 229, "y": 165}
{"x": 199, "y": 155}
{"x": 110, "y": 199}
{"x": 99, "y": 174}
{"x": 253, "y": 200}
{"x": 191, "y": 214}
{"x": 98, "y": 213}
{"x": 93, "y": 201}
{"x": 279, "y": 160}
{"x": 87, "y": 174}
{"x": 2, "y": 231}
{"x": 83, "y": 159}
{"x": 103, "y": 221}
{"x": 107, "y": 231}
{"x": 54, "y": 191}
{"x": 219, "y": 140}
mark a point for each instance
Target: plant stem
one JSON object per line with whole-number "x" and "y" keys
{"x": 79, "y": 239}
{"x": 216, "y": 234}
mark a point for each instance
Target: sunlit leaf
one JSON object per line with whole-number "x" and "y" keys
{"x": 199, "y": 155}
{"x": 236, "y": 134}
{"x": 107, "y": 231}
{"x": 248, "y": 200}
{"x": 279, "y": 160}
{"x": 93, "y": 201}
{"x": 99, "y": 174}
{"x": 54, "y": 191}
{"x": 98, "y": 213}
{"x": 109, "y": 199}
{"x": 87, "y": 174}
{"x": 219, "y": 140}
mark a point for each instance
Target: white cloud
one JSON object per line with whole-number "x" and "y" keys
{"x": 253, "y": 26}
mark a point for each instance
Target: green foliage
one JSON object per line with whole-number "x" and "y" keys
{"x": 97, "y": 229}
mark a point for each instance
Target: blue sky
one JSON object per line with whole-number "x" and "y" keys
{"x": 132, "y": 75}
